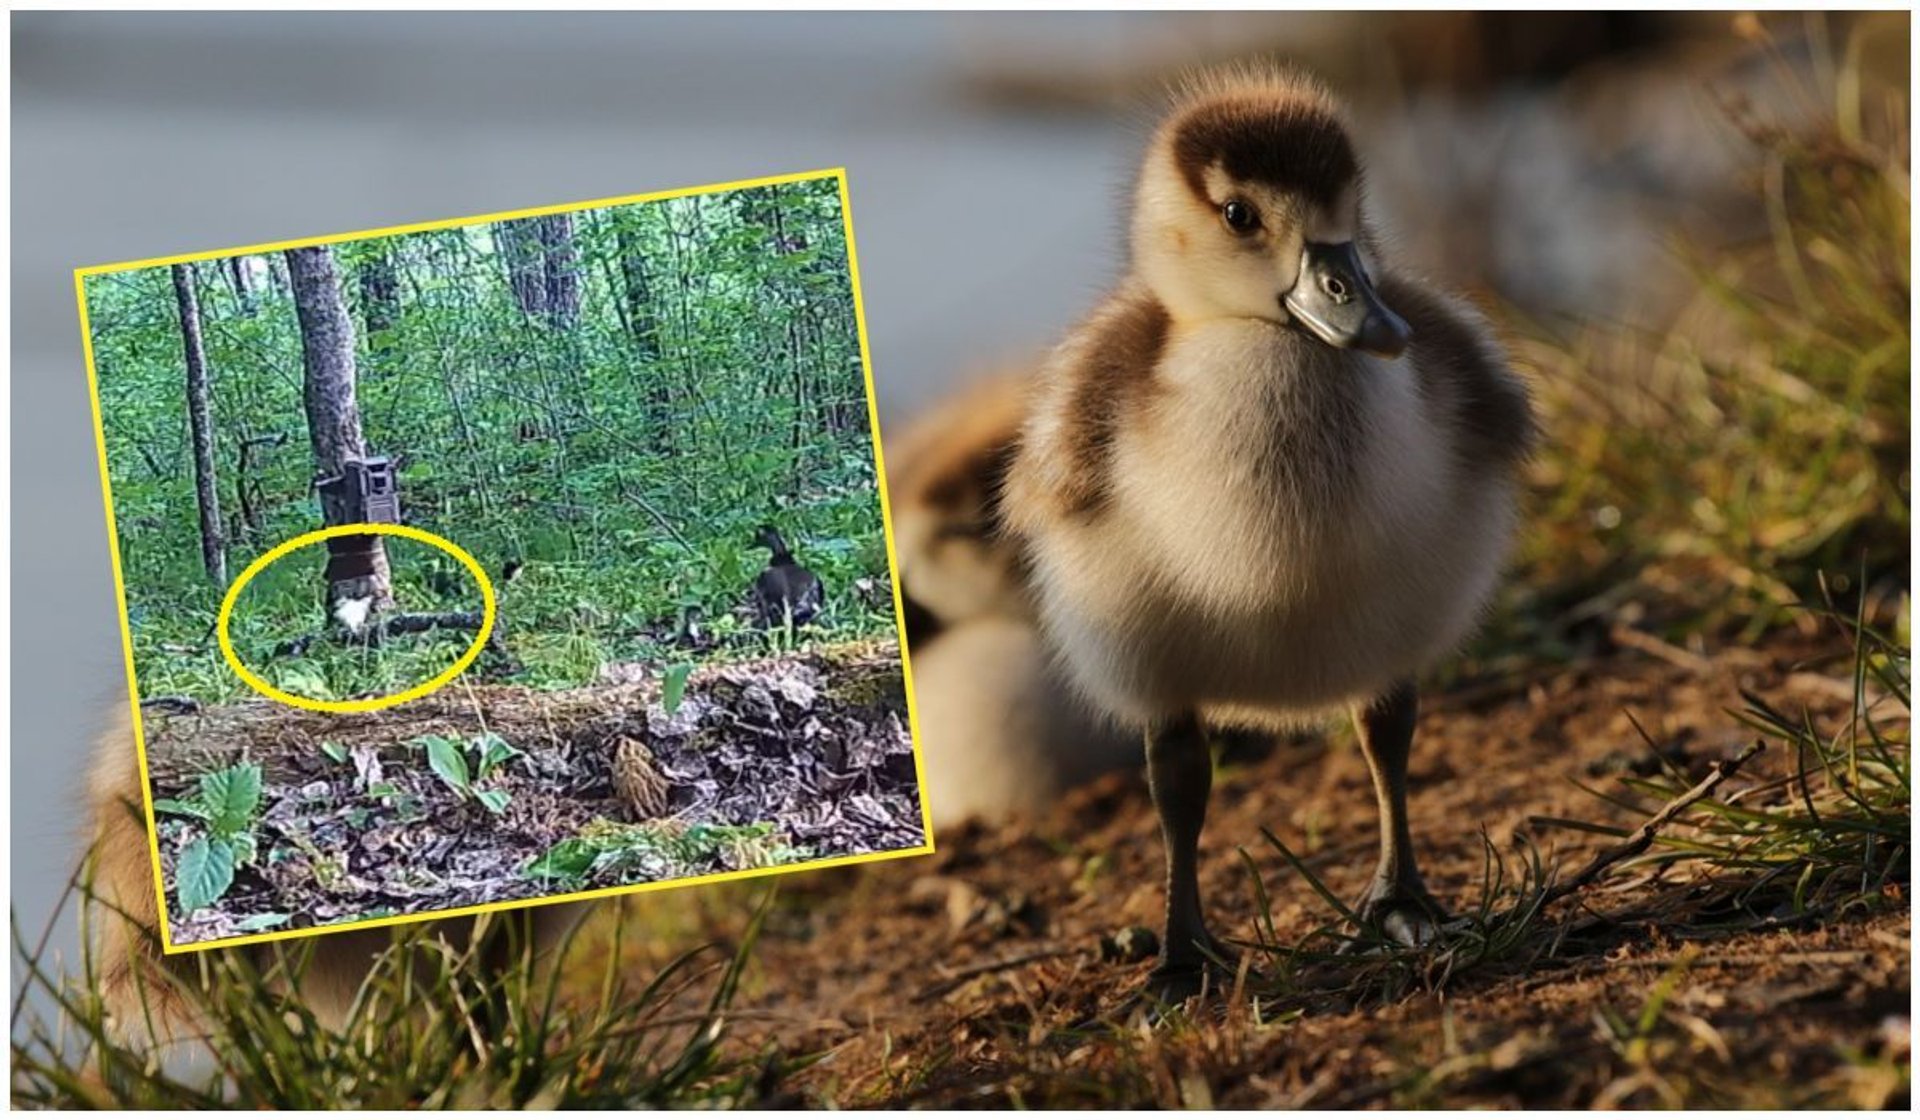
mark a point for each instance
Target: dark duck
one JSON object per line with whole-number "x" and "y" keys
{"x": 785, "y": 593}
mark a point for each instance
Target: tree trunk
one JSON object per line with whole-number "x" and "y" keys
{"x": 333, "y": 415}
{"x": 200, "y": 418}
{"x": 542, "y": 267}
{"x": 522, "y": 251}
{"x": 242, "y": 279}
{"x": 562, "y": 270}
{"x": 277, "y": 277}
{"x": 379, "y": 293}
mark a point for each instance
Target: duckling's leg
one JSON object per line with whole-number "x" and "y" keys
{"x": 1180, "y": 774}
{"x": 1397, "y": 902}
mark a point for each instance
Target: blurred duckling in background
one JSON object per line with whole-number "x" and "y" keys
{"x": 1000, "y": 736}
{"x": 944, "y": 476}
{"x": 1267, "y": 479}
{"x": 785, "y": 594}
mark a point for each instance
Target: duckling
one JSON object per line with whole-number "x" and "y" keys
{"x": 998, "y": 738}
{"x": 785, "y": 593}
{"x": 1267, "y": 479}
{"x": 944, "y": 478}
{"x": 145, "y": 992}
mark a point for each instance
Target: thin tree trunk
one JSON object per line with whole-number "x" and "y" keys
{"x": 379, "y": 293}
{"x": 241, "y": 277}
{"x": 213, "y": 551}
{"x": 562, "y": 268}
{"x": 520, "y": 247}
{"x": 333, "y": 414}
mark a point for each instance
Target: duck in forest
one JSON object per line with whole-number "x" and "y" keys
{"x": 1268, "y": 479}
{"x": 785, "y": 593}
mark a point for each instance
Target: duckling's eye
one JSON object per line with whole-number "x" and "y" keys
{"x": 1239, "y": 217}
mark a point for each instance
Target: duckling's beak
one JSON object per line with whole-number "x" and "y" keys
{"x": 1333, "y": 299}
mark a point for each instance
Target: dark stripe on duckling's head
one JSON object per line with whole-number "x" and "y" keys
{"x": 1296, "y": 145}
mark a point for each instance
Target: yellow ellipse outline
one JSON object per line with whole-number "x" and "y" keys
{"x": 374, "y": 703}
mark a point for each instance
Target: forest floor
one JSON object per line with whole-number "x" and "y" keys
{"x": 976, "y": 977}
{"x": 453, "y": 800}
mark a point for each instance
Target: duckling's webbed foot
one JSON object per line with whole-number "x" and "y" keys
{"x": 1397, "y": 903}
{"x": 1401, "y": 912}
{"x": 1180, "y": 774}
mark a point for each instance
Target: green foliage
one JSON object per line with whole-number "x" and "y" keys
{"x": 673, "y": 687}
{"x": 710, "y": 382}
{"x": 1841, "y": 839}
{"x": 1717, "y": 469}
{"x": 224, "y": 806}
{"x": 447, "y": 758}
{"x": 658, "y": 850}
{"x": 431, "y": 1028}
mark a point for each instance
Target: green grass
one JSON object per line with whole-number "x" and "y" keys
{"x": 428, "y": 1030}
{"x": 1824, "y": 832}
{"x": 1696, "y": 479}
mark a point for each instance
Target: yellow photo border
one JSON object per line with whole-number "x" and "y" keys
{"x": 839, "y": 175}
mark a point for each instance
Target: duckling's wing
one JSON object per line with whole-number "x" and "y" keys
{"x": 1463, "y": 370}
{"x": 1096, "y": 381}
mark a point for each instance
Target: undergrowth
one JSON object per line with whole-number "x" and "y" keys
{"x": 1697, "y": 478}
{"x": 437, "y": 1024}
{"x": 1824, "y": 832}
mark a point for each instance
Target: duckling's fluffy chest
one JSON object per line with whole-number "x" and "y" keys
{"x": 1287, "y": 530}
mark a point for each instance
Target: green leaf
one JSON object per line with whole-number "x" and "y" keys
{"x": 495, "y": 800}
{"x": 231, "y": 797}
{"x": 333, "y": 750}
{"x": 494, "y": 751}
{"x": 302, "y": 680}
{"x": 449, "y": 762}
{"x": 204, "y": 873}
{"x": 179, "y": 808}
{"x": 260, "y": 922}
{"x": 569, "y": 859}
{"x": 673, "y": 688}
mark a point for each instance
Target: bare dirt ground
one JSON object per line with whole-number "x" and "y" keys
{"x": 969, "y": 978}
{"x": 780, "y": 760}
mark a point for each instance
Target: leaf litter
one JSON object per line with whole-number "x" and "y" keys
{"x": 788, "y": 759}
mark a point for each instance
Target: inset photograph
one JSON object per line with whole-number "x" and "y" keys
{"x": 501, "y": 559}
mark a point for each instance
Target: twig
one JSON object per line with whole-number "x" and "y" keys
{"x": 936, "y": 990}
{"x": 178, "y": 705}
{"x": 390, "y": 625}
{"x": 1653, "y": 646}
{"x": 1642, "y": 837}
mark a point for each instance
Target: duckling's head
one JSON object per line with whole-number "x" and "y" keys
{"x": 1248, "y": 207}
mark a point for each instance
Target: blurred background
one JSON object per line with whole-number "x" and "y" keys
{"x": 1597, "y": 179}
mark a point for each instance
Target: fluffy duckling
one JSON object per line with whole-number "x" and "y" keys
{"x": 1267, "y": 479}
{"x": 945, "y": 474}
{"x": 145, "y": 991}
{"x": 785, "y": 593}
{"x": 998, "y": 737}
